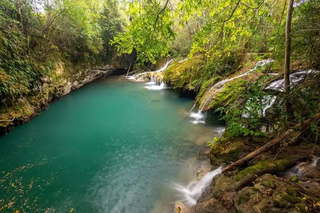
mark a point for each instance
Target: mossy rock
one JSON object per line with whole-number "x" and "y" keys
{"x": 224, "y": 183}
{"x": 223, "y": 96}
{"x": 258, "y": 168}
{"x": 302, "y": 207}
{"x": 258, "y": 197}
{"x": 187, "y": 74}
{"x": 227, "y": 151}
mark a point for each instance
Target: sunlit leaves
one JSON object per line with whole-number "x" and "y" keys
{"x": 149, "y": 32}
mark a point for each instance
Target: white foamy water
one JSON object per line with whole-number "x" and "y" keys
{"x": 141, "y": 77}
{"x": 315, "y": 161}
{"x": 222, "y": 83}
{"x": 153, "y": 86}
{"x": 301, "y": 168}
{"x": 199, "y": 117}
{"x": 266, "y": 102}
{"x": 295, "y": 78}
{"x": 190, "y": 194}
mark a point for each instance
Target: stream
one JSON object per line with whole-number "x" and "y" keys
{"x": 111, "y": 146}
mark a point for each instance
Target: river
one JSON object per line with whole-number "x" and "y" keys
{"x": 111, "y": 146}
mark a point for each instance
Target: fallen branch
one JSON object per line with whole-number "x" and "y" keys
{"x": 194, "y": 105}
{"x": 273, "y": 142}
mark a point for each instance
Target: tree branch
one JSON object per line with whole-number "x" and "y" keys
{"x": 158, "y": 15}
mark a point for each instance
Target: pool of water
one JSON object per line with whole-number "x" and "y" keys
{"x": 111, "y": 146}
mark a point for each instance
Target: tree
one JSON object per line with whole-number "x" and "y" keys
{"x": 287, "y": 57}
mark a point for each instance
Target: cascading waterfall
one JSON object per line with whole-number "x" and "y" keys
{"x": 154, "y": 77}
{"x": 301, "y": 168}
{"x": 266, "y": 102}
{"x": 199, "y": 117}
{"x": 295, "y": 78}
{"x": 152, "y": 85}
{"x": 189, "y": 195}
{"x": 221, "y": 84}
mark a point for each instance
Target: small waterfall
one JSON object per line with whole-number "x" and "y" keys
{"x": 156, "y": 87}
{"x": 303, "y": 168}
{"x": 315, "y": 161}
{"x": 191, "y": 194}
{"x": 154, "y": 77}
{"x": 152, "y": 85}
{"x": 165, "y": 66}
{"x": 296, "y": 170}
{"x": 267, "y": 102}
{"x": 295, "y": 78}
{"x": 220, "y": 85}
{"x": 199, "y": 117}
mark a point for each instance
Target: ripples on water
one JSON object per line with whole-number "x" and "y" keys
{"x": 110, "y": 146}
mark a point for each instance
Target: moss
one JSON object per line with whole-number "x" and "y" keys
{"x": 302, "y": 207}
{"x": 187, "y": 74}
{"x": 207, "y": 84}
{"x": 227, "y": 150}
{"x": 270, "y": 184}
{"x": 225, "y": 95}
{"x": 259, "y": 167}
{"x": 290, "y": 198}
{"x": 21, "y": 110}
{"x": 291, "y": 191}
{"x": 233, "y": 148}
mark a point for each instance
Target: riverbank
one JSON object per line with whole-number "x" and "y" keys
{"x": 51, "y": 89}
{"x": 283, "y": 178}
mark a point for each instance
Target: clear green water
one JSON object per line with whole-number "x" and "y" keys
{"x": 110, "y": 146}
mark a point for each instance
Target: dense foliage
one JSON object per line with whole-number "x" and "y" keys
{"x": 34, "y": 35}
{"x": 218, "y": 28}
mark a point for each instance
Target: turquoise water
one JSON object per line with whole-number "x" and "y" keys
{"x": 110, "y": 146}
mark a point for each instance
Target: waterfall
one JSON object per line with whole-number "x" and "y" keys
{"x": 199, "y": 117}
{"x": 165, "y": 66}
{"x": 302, "y": 168}
{"x": 315, "y": 161}
{"x": 154, "y": 77}
{"x": 267, "y": 102}
{"x": 191, "y": 194}
{"x": 152, "y": 85}
{"x": 156, "y": 87}
{"x": 220, "y": 85}
{"x": 295, "y": 78}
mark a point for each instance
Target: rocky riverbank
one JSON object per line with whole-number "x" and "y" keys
{"x": 284, "y": 178}
{"x": 279, "y": 180}
{"x": 48, "y": 90}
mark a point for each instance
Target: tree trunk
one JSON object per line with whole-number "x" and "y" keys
{"x": 287, "y": 58}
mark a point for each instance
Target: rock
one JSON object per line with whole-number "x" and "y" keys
{"x": 75, "y": 85}
{"x": 181, "y": 208}
{"x": 67, "y": 89}
{"x": 212, "y": 206}
{"x": 224, "y": 183}
{"x": 227, "y": 151}
{"x": 268, "y": 194}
